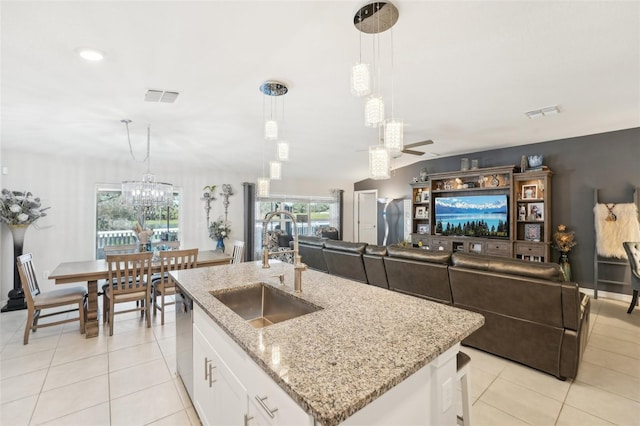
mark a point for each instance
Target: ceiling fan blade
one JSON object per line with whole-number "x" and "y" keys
{"x": 415, "y": 144}
{"x": 412, "y": 152}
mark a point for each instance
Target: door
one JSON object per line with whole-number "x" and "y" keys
{"x": 366, "y": 216}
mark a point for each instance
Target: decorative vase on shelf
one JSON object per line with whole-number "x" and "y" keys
{"x": 220, "y": 244}
{"x": 565, "y": 266}
{"x": 16, "y": 295}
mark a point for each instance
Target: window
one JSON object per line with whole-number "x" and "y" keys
{"x": 115, "y": 221}
{"x": 310, "y": 213}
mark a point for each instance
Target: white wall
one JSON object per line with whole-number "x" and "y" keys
{"x": 67, "y": 185}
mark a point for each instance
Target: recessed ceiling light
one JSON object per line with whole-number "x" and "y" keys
{"x": 89, "y": 54}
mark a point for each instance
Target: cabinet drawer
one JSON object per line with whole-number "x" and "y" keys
{"x": 436, "y": 243}
{"x": 498, "y": 248}
{"x": 530, "y": 249}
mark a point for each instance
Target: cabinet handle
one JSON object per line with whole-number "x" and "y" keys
{"x": 246, "y": 419}
{"x": 265, "y": 407}
{"x": 208, "y": 370}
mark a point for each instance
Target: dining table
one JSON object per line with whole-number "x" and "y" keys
{"x": 91, "y": 271}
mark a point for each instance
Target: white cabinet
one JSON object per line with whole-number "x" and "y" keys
{"x": 231, "y": 389}
{"x": 220, "y": 398}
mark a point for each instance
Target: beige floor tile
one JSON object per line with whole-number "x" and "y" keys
{"x": 76, "y": 371}
{"x": 71, "y": 398}
{"x": 139, "y": 377}
{"x": 25, "y": 364}
{"x": 570, "y": 416}
{"x": 16, "y": 349}
{"x": 18, "y": 412}
{"x": 480, "y": 381}
{"x": 171, "y": 365}
{"x": 628, "y": 334}
{"x": 98, "y": 415}
{"x": 484, "y": 361}
{"x": 537, "y": 381}
{"x": 134, "y": 355}
{"x": 137, "y": 336}
{"x": 609, "y": 380}
{"x": 618, "y": 346}
{"x": 179, "y": 418}
{"x": 522, "y": 403}
{"x": 168, "y": 346}
{"x": 603, "y": 404}
{"x": 146, "y": 406}
{"x": 85, "y": 348}
{"x": 184, "y": 396}
{"x": 19, "y": 387}
{"x": 613, "y": 361}
{"x": 487, "y": 415}
{"x": 164, "y": 331}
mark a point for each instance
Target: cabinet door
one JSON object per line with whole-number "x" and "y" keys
{"x": 270, "y": 405}
{"x": 220, "y": 399}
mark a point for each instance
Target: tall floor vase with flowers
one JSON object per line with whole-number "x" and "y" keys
{"x": 564, "y": 240}
{"x": 18, "y": 210}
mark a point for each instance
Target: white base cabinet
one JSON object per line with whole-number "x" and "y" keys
{"x": 230, "y": 389}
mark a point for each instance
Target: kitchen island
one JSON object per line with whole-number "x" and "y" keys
{"x": 367, "y": 356}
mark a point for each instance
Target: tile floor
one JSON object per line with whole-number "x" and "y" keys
{"x": 130, "y": 378}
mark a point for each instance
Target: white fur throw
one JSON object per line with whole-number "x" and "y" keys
{"x": 611, "y": 234}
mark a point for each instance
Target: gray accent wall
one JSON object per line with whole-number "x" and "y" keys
{"x": 607, "y": 161}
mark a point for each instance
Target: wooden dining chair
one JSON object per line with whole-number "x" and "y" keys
{"x": 130, "y": 275}
{"x": 163, "y": 286}
{"x": 38, "y": 300}
{"x": 110, "y": 250}
{"x": 237, "y": 255}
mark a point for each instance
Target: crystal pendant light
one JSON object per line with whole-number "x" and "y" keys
{"x": 147, "y": 193}
{"x": 271, "y": 130}
{"x": 360, "y": 80}
{"x": 394, "y": 137}
{"x": 282, "y": 148}
{"x": 262, "y": 187}
{"x": 275, "y": 170}
{"x": 379, "y": 162}
{"x": 374, "y": 111}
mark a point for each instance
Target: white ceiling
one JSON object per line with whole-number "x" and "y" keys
{"x": 464, "y": 75}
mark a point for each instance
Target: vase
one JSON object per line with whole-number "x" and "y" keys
{"x": 220, "y": 245}
{"x": 565, "y": 266}
{"x": 16, "y": 295}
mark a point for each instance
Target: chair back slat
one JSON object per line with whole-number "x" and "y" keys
{"x": 129, "y": 272}
{"x": 238, "y": 252}
{"x": 172, "y": 260}
{"x": 28, "y": 277}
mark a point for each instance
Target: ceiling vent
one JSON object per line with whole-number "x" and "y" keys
{"x": 165, "y": 96}
{"x": 537, "y": 113}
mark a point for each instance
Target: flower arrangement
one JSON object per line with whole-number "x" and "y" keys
{"x": 219, "y": 229}
{"x": 20, "y": 208}
{"x": 563, "y": 239}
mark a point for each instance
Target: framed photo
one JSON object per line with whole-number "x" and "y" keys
{"x": 425, "y": 197}
{"x": 421, "y": 212}
{"x": 529, "y": 191}
{"x": 423, "y": 228}
{"x": 532, "y": 232}
{"x": 535, "y": 211}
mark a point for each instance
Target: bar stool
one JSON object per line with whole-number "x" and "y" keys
{"x": 463, "y": 370}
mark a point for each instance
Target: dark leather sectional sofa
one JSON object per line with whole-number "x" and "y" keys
{"x": 531, "y": 315}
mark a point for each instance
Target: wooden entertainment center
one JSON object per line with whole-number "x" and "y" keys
{"x": 526, "y": 233}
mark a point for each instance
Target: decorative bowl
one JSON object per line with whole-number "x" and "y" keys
{"x": 535, "y": 161}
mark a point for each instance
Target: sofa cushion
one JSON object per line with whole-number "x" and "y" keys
{"x": 375, "y": 250}
{"x": 373, "y": 259}
{"x": 311, "y": 241}
{"x": 311, "y": 252}
{"x": 284, "y": 240}
{"x": 420, "y": 254}
{"x": 345, "y": 246}
{"x": 523, "y": 268}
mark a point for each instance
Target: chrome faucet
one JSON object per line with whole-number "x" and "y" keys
{"x": 298, "y": 266}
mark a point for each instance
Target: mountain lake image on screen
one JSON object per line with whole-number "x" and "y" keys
{"x": 473, "y": 216}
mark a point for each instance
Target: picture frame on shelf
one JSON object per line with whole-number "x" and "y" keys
{"x": 421, "y": 212}
{"x": 535, "y": 211}
{"x": 425, "y": 197}
{"x": 532, "y": 232}
{"x": 530, "y": 192}
{"x": 423, "y": 228}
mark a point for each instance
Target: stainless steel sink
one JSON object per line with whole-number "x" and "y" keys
{"x": 263, "y": 305}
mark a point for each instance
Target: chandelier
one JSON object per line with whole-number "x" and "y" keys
{"x": 374, "y": 18}
{"x": 147, "y": 193}
{"x": 271, "y": 90}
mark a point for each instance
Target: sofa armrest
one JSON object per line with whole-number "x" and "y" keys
{"x": 572, "y": 305}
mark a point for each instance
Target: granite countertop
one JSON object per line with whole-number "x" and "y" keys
{"x": 335, "y": 361}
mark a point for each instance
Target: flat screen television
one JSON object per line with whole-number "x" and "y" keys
{"x": 484, "y": 216}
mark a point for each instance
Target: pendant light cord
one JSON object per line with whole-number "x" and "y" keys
{"x": 147, "y": 158}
